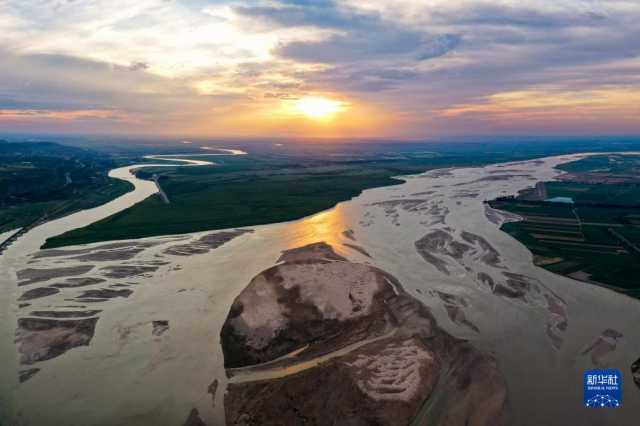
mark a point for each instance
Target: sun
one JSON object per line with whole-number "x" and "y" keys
{"x": 318, "y": 107}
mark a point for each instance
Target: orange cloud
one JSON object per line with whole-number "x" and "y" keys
{"x": 73, "y": 115}
{"x": 611, "y": 110}
{"x": 607, "y": 102}
{"x": 74, "y": 121}
{"x": 329, "y": 115}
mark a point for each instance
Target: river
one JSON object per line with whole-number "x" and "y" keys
{"x": 127, "y": 375}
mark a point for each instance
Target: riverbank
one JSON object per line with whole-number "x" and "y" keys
{"x": 42, "y": 181}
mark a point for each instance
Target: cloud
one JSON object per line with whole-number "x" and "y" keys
{"x": 549, "y": 102}
{"x": 138, "y": 65}
{"x": 521, "y": 16}
{"x": 598, "y": 110}
{"x": 439, "y": 46}
{"x": 357, "y": 35}
{"x": 351, "y": 48}
{"x": 432, "y": 66}
{"x": 323, "y": 14}
{"x": 283, "y": 96}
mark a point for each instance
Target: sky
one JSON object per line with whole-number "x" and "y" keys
{"x": 409, "y": 69}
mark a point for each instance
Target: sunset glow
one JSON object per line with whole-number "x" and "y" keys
{"x": 283, "y": 68}
{"x": 318, "y": 107}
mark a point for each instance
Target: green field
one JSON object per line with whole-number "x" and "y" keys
{"x": 597, "y": 239}
{"x": 605, "y": 259}
{"x": 622, "y": 193}
{"x": 205, "y": 202}
{"x": 16, "y": 216}
{"x": 43, "y": 180}
{"x": 612, "y": 165}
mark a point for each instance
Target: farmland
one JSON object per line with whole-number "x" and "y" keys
{"x": 43, "y": 180}
{"x": 595, "y": 239}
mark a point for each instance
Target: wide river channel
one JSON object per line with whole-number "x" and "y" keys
{"x": 133, "y": 373}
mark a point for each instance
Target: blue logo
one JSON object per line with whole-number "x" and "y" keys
{"x": 602, "y": 388}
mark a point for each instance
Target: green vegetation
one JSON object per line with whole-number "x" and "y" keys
{"x": 278, "y": 183}
{"x": 621, "y": 193}
{"x": 610, "y": 166}
{"x": 254, "y": 190}
{"x": 220, "y": 201}
{"x": 43, "y": 180}
{"x": 597, "y": 239}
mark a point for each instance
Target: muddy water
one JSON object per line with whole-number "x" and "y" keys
{"x": 128, "y": 376}
{"x": 17, "y": 255}
{"x": 241, "y": 375}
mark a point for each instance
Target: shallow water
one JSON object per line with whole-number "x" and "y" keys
{"x": 129, "y": 376}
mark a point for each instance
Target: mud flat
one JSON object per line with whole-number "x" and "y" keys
{"x": 32, "y": 275}
{"x": 127, "y": 271}
{"x": 79, "y": 282}
{"x": 390, "y": 379}
{"x": 37, "y": 293}
{"x": 205, "y": 243}
{"x": 40, "y": 339}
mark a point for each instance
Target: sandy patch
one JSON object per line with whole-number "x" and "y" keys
{"x": 40, "y": 339}
{"x": 31, "y": 275}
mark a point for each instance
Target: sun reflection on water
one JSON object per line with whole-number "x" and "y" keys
{"x": 326, "y": 226}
